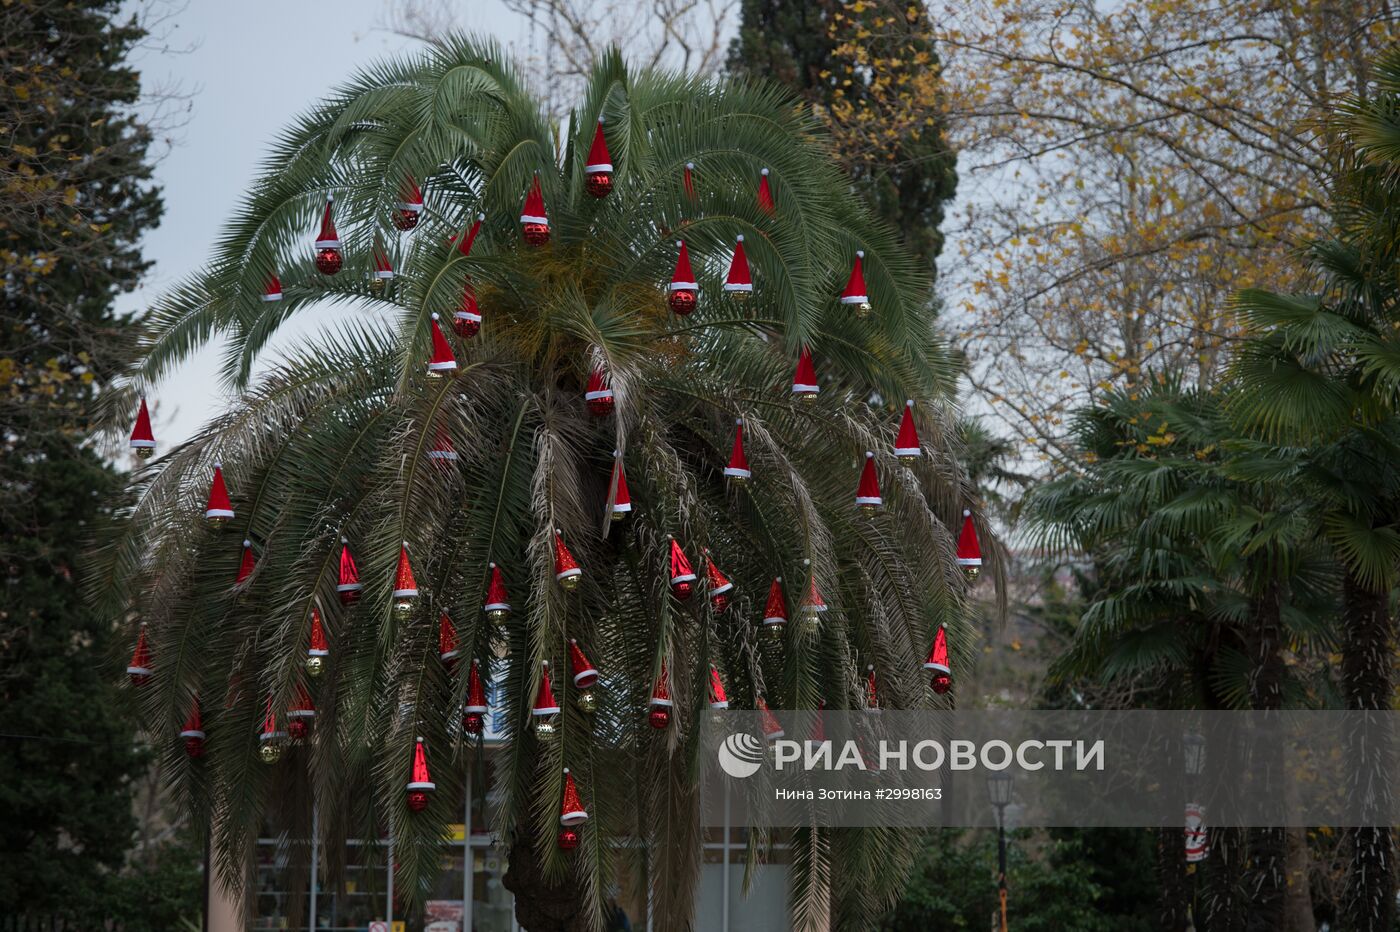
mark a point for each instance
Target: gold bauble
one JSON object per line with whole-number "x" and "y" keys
{"x": 570, "y": 583}
{"x": 315, "y": 666}
{"x": 587, "y": 701}
{"x": 546, "y": 728}
{"x": 270, "y": 752}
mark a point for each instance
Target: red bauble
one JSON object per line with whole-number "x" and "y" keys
{"x": 682, "y": 302}
{"x": 600, "y": 407}
{"x": 536, "y": 234}
{"x": 328, "y": 260}
{"x": 659, "y": 717}
{"x": 568, "y": 840}
{"x": 720, "y": 602}
{"x": 473, "y": 722}
{"x": 942, "y": 682}
{"x": 297, "y": 728}
{"x": 417, "y": 800}
{"x": 466, "y": 329}
{"x": 683, "y": 590}
{"x": 194, "y": 747}
{"x": 598, "y": 184}
{"x": 405, "y": 219}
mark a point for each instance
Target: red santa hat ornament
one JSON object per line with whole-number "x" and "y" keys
{"x": 598, "y": 173}
{"x": 906, "y": 444}
{"x": 813, "y": 604}
{"x": 139, "y": 669}
{"x": 765, "y": 193}
{"x": 969, "y": 550}
{"x": 318, "y": 649}
{"x": 682, "y": 576}
{"x": 598, "y": 396}
{"x": 272, "y": 291}
{"x": 448, "y": 650}
{"x": 938, "y": 663}
{"x": 621, "y": 497}
{"x": 383, "y": 269}
{"x": 775, "y": 615}
{"x": 855, "y": 293}
{"x": 218, "y": 510}
{"x": 719, "y": 585}
{"x": 772, "y": 730}
{"x": 143, "y": 442}
{"x": 328, "y": 258}
{"x": 684, "y": 291}
{"x": 405, "y": 586}
{"x": 442, "y": 361}
{"x": 410, "y": 205}
{"x": 659, "y": 706}
{"x": 571, "y": 813}
{"x": 348, "y": 580}
{"x": 301, "y": 714}
{"x": 546, "y": 709}
{"x": 474, "y": 712}
{"x": 533, "y": 219}
{"x": 420, "y": 782}
{"x": 738, "y": 284}
{"x": 719, "y": 699}
{"x": 566, "y": 569}
{"x": 872, "y": 690}
{"x": 443, "y": 453}
{"x": 737, "y": 471}
{"x": 270, "y": 738}
{"x": 868, "y": 498}
{"x": 497, "y": 605}
{"x": 585, "y": 678}
{"x": 804, "y": 378}
{"x": 192, "y": 732}
{"x": 246, "y": 564}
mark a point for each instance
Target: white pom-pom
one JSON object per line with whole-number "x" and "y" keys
{"x": 909, "y": 403}
{"x": 344, "y": 540}
{"x": 680, "y": 243}
{"x": 860, "y": 253}
{"x": 739, "y": 421}
{"x": 545, "y": 664}
{"x": 741, "y": 237}
{"x": 566, "y": 769}
{"x": 869, "y": 455}
{"x": 617, "y": 452}
{"x": 573, "y": 640}
{"x": 480, "y": 216}
{"x": 778, "y": 579}
{"x": 247, "y": 542}
{"x": 330, "y": 198}
{"x": 420, "y": 739}
{"x": 435, "y": 317}
{"x": 218, "y": 465}
{"x": 967, "y": 513}
{"x": 690, "y": 165}
{"x": 871, "y": 668}
{"x": 765, "y": 171}
{"x": 492, "y": 566}
{"x": 600, "y": 121}
{"x": 806, "y": 562}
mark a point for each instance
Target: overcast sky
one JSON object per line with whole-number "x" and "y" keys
{"x": 252, "y": 67}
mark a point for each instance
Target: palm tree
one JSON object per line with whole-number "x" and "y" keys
{"x": 346, "y": 437}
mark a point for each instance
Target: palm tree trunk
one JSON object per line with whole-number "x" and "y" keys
{"x": 1265, "y": 881}
{"x": 542, "y": 906}
{"x": 1369, "y": 900}
{"x": 1173, "y": 884}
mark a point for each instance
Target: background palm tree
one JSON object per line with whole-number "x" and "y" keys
{"x": 333, "y": 439}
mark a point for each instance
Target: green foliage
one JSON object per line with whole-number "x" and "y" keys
{"x": 334, "y": 440}
{"x": 75, "y": 203}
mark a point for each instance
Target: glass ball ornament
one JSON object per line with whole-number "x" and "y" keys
{"x": 737, "y": 481}
{"x": 417, "y": 800}
{"x": 498, "y": 615}
{"x": 405, "y": 220}
{"x": 536, "y": 234}
{"x": 618, "y": 515}
{"x": 403, "y": 607}
{"x": 682, "y": 301}
{"x": 683, "y": 590}
{"x": 942, "y": 682}
{"x": 720, "y": 602}
{"x": 376, "y": 284}
{"x": 298, "y": 729}
{"x": 473, "y": 723}
{"x": 328, "y": 260}
{"x": 774, "y": 633}
{"x": 600, "y": 407}
{"x": 807, "y": 397}
{"x": 740, "y": 297}
{"x": 546, "y": 727}
{"x": 194, "y": 748}
{"x": 465, "y": 328}
{"x": 863, "y": 310}
{"x": 587, "y": 701}
{"x": 570, "y": 583}
{"x": 659, "y": 717}
{"x": 145, "y": 453}
{"x": 315, "y": 666}
{"x": 217, "y": 522}
{"x": 970, "y": 573}
{"x": 568, "y": 839}
{"x": 598, "y": 184}
{"x": 868, "y": 509}
{"x": 270, "y": 752}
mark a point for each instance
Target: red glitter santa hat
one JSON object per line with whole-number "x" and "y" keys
{"x": 813, "y": 603}
{"x": 937, "y": 661}
{"x": 140, "y": 668}
{"x": 680, "y": 565}
{"x": 775, "y": 612}
{"x": 872, "y": 689}
{"x": 765, "y": 194}
{"x": 272, "y": 291}
{"x": 194, "y": 724}
{"x": 270, "y": 731}
{"x": 302, "y": 705}
{"x": 419, "y": 779}
{"x": 464, "y": 244}
{"x": 772, "y": 731}
{"x": 442, "y": 359}
{"x": 405, "y": 586}
{"x": 565, "y": 566}
{"x": 599, "y": 159}
{"x": 719, "y": 583}
{"x": 597, "y": 389}
{"x": 868, "y": 491}
{"x": 661, "y": 690}
{"x": 383, "y": 270}
{"x": 219, "y": 505}
{"x": 571, "y": 811}
{"x": 969, "y": 551}
{"x": 533, "y": 211}
{"x": 907, "y": 443}
{"x": 738, "y": 467}
{"x": 804, "y": 378}
{"x": 683, "y": 278}
{"x": 544, "y": 698}
{"x": 141, "y": 436}
{"x": 318, "y": 646}
{"x": 855, "y": 285}
{"x": 442, "y": 449}
{"x": 448, "y": 649}
{"x": 476, "y": 693}
{"x": 245, "y": 565}
{"x": 497, "y": 600}
{"x": 349, "y": 577}
{"x": 585, "y": 674}
{"x": 328, "y": 238}
{"x": 410, "y": 196}
{"x": 719, "y": 699}
{"x": 738, "y": 278}
{"x": 621, "y": 497}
